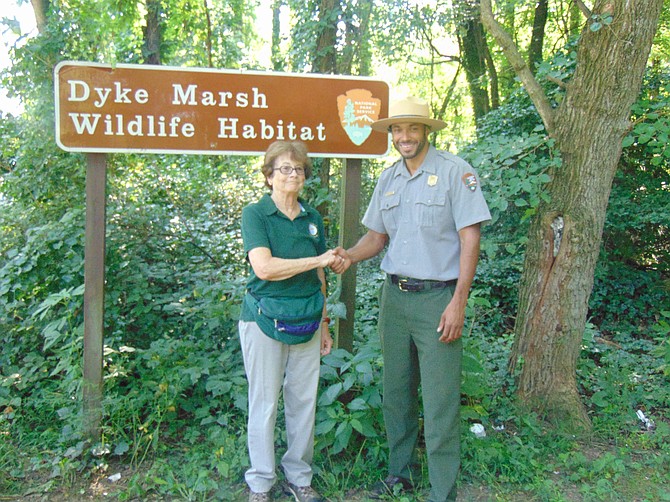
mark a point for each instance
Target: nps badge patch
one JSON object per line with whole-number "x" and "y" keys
{"x": 470, "y": 181}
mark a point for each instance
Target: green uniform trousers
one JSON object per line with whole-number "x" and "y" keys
{"x": 413, "y": 355}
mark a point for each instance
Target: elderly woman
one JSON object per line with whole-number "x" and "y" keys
{"x": 285, "y": 245}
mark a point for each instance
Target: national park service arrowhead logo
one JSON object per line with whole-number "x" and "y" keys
{"x": 470, "y": 181}
{"x": 358, "y": 109}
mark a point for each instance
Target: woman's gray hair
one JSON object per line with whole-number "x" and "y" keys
{"x": 297, "y": 150}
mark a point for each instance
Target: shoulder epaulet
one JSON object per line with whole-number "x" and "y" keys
{"x": 391, "y": 166}
{"x": 454, "y": 160}
{"x": 448, "y": 156}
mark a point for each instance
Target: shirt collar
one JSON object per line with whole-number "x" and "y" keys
{"x": 428, "y": 165}
{"x": 268, "y": 206}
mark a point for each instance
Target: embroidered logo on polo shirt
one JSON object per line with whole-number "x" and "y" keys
{"x": 313, "y": 231}
{"x": 470, "y": 181}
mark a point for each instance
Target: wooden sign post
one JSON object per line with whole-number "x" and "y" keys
{"x": 94, "y": 291}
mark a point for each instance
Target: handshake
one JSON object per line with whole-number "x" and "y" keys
{"x": 337, "y": 259}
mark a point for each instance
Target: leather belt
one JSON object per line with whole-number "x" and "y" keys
{"x": 408, "y": 284}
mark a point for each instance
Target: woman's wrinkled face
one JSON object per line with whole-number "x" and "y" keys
{"x": 287, "y": 175}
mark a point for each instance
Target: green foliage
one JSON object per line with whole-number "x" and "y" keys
{"x": 599, "y": 21}
{"x": 621, "y": 375}
{"x": 41, "y": 315}
{"x": 660, "y": 50}
{"x": 175, "y": 393}
{"x": 638, "y": 218}
{"x": 350, "y": 401}
{"x": 631, "y": 277}
{"x": 513, "y": 172}
{"x": 662, "y": 337}
{"x": 400, "y": 22}
{"x": 183, "y": 216}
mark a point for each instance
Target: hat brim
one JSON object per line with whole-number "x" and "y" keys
{"x": 383, "y": 124}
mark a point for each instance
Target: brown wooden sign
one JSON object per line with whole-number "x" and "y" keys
{"x": 157, "y": 109}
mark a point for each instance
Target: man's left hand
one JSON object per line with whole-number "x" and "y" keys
{"x": 451, "y": 323}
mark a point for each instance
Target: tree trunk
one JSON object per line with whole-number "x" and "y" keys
{"x": 493, "y": 78}
{"x": 40, "y": 8}
{"x": 565, "y": 236}
{"x": 325, "y": 61}
{"x": 358, "y": 40}
{"x": 208, "y": 40}
{"x": 473, "y": 48}
{"x": 152, "y": 33}
{"x": 278, "y": 63}
{"x": 575, "y": 19}
{"x": 537, "y": 38}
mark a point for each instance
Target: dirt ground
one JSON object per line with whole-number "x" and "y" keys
{"x": 102, "y": 488}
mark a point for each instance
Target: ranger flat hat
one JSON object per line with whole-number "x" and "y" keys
{"x": 409, "y": 109}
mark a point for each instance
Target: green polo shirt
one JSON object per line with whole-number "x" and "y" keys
{"x": 263, "y": 225}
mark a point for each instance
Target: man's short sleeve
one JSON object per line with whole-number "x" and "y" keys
{"x": 468, "y": 204}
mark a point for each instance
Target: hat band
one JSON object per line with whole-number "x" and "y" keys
{"x": 409, "y": 116}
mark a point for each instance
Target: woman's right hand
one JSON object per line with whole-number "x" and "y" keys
{"x": 342, "y": 261}
{"x": 327, "y": 259}
{"x": 334, "y": 259}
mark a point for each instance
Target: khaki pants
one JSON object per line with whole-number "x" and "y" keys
{"x": 270, "y": 367}
{"x": 413, "y": 355}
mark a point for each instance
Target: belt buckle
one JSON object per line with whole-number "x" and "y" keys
{"x": 407, "y": 286}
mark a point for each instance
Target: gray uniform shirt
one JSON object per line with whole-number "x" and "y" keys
{"x": 422, "y": 215}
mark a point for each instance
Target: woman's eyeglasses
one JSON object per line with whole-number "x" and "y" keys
{"x": 286, "y": 169}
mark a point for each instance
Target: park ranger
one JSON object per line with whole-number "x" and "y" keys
{"x": 427, "y": 207}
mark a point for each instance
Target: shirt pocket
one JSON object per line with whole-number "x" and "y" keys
{"x": 430, "y": 207}
{"x": 390, "y": 211}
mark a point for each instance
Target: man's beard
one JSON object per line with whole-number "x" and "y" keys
{"x": 419, "y": 148}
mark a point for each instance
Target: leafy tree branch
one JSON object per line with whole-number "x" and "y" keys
{"x": 519, "y": 65}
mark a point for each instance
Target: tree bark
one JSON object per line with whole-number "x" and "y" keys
{"x": 537, "y": 38}
{"x": 277, "y": 58}
{"x": 40, "y": 8}
{"x": 472, "y": 43}
{"x": 494, "y": 87}
{"x": 208, "y": 40}
{"x": 152, "y": 33}
{"x": 358, "y": 41}
{"x": 325, "y": 61}
{"x": 565, "y": 235}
